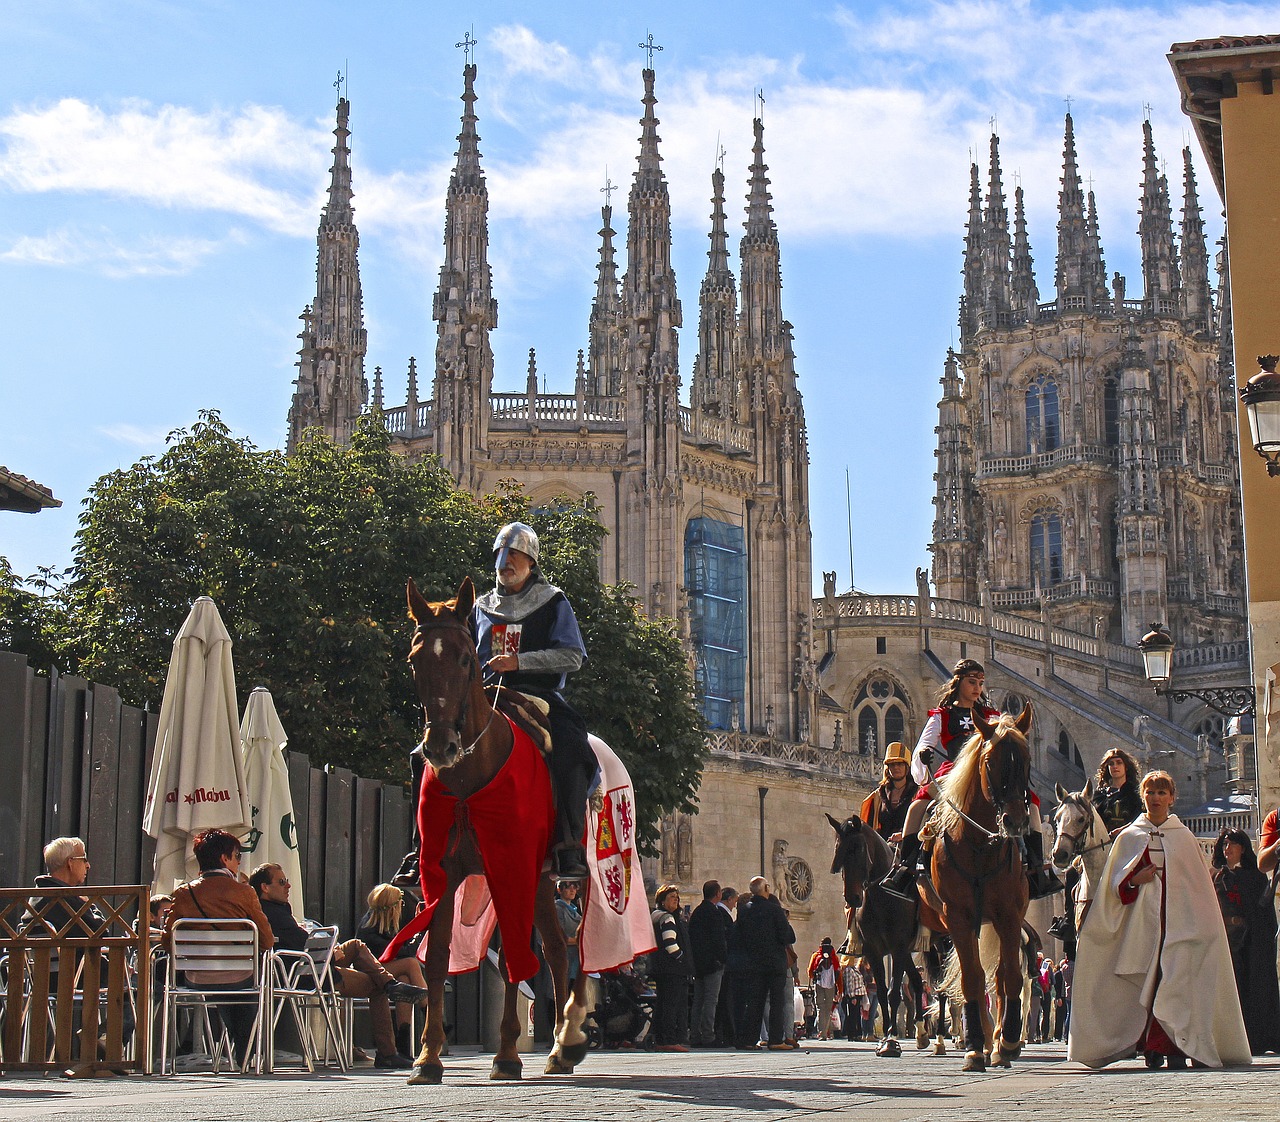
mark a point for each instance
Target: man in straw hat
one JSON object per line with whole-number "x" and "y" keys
{"x": 885, "y": 809}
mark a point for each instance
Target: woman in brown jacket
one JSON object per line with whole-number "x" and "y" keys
{"x": 218, "y": 893}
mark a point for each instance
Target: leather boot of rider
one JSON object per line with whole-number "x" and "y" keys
{"x": 407, "y": 875}
{"x": 902, "y": 877}
{"x": 1040, "y": 878}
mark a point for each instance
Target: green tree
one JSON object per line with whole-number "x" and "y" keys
{"x": 307, "y": 558}
{"x": 31, "y": 622}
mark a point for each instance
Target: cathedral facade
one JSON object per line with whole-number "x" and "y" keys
{"x": 1087, "y": 469}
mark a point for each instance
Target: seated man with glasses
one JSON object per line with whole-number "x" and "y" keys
{"x": 67, "y": 862}
{"x": 218, "y": 893}
{"x": 357, "y": 972}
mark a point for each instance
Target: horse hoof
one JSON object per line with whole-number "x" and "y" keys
{"x": 922, "y": 1042}
{"x": 506, "y": 1069}
{"x": 426, "y": 1073}
{"x": 973, "y": 1061}
{"x": 939, "y": 1049}
{"x": 557, "y": 1066}
{"x": 1012, "y": 1052}
{"x": 573, "y": 1054}
{"x": 1001, "y": 1060}
{"x": 889, "y": 1048}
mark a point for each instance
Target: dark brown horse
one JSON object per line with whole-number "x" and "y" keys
{"x": 467, "y": 743}
{"x": 887, "y": 925}
{"x": 978, "y": 874}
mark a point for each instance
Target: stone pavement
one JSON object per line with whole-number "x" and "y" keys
{"x": 825, "y": 1080}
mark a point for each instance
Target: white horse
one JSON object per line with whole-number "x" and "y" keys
{"x": 1080, "y": 839}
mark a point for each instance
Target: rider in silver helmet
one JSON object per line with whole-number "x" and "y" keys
{"x": 527, "y": 637}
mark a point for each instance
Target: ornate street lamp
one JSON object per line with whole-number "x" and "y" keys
{"x": 1261, "y": 397}
{"x": 1157, "y": 647}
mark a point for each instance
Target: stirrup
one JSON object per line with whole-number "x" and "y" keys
{"x": 569, "y": 862}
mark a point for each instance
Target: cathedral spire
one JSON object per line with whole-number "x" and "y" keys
{"x": 1076, "y": 284}
{"x": 996, "y": 243}
{"x": 1160, "y": 280}
{"x": 1026, "y": 296}
{"x": 331, "y": 388}
{"x": 1197, "y": 310}
{"x": 1095, "y": 266}
{"x": 712, "y": 386}
{"x": 604, "y": 328}
{"x": 974, "y": 285}
{"x": 464, "y": 309}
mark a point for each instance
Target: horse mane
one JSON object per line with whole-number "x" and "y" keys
{"x": 965, "y": 776}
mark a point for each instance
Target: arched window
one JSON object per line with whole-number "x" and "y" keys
{"x": 1044, "y": 429}
{"x": 1046, "y": 549}
{"x": 894, "y": 724}
{"x": 867, "y": 731}
{"x": 1110, "y": 411}
{"x": 1064, "y": 744}
{"x": 715, "y": 579}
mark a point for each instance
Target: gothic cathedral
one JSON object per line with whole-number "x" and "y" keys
{"x": 1087, "y": 466}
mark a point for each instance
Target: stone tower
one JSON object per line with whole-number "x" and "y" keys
{"x": 331, "y": 391}
{"x": 1086, "y": 459}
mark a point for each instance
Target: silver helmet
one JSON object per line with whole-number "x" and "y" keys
{"x": 518, "y": 536}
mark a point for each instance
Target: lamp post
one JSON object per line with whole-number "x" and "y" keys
{"x": 1157, "y": 648}
{"x": 1261, "y": 397}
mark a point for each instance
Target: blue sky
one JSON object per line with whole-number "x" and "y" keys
{"x": 162, "y": 166}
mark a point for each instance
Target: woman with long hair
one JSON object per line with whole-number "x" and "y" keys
{"x": 1115, "y": 793}
{"x": 949, "y": 728}
{"x": 1245, "y": 898}
{"x": 378, "y": 926}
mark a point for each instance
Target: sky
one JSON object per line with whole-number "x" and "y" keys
{"x": 163, "y": 165}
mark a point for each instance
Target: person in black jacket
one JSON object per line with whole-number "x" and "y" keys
{"x": 669, "y": 968}
{"x": 762, "y": 936}
{"x": 355, "y": 970}
{"x": 709, "y": 941}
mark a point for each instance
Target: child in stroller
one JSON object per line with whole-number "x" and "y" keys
{"x": 623, "y": 1015}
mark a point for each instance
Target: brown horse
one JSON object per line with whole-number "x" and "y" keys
{"x": 977, "y": 871}
{"x": 467, "y": 743}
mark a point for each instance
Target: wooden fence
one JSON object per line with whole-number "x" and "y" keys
{"x": 75, "y": 761}
{"x": 58, "y": 948}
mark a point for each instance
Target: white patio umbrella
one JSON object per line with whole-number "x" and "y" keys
{"x": 197, "y": 777}
{"x": 273, "y": 835}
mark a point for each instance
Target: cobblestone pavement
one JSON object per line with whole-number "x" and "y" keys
{"x": 825, "y": 1080}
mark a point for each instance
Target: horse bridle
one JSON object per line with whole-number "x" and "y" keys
{"x": 452, "y": 623}
{"x": 1077, "y": 839}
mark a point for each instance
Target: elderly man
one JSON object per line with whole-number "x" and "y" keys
{"x": 762, "y": 936}
{"x": 357, "y": 973}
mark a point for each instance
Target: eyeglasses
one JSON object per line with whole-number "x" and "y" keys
{"x": 79, "y": 857}
{"x": 282, "y": 880}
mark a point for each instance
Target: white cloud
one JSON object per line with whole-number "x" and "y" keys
{"x": 150, "y": 256}
{"x": 136, "y": 437}
{"x": 256, "y": 163}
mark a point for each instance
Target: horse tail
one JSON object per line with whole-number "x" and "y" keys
{"x": 988, "y": 954}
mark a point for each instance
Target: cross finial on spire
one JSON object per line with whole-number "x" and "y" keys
{"x": 468, "y": 44}
{"x": 1089, "y": 180}
{"x": 609, "y": 188}
{"x": 993, "y": 124}
{"x": 1068, "y": 100}
{"x": 1146, "y": 110}
{"x": 720, "y": 154}
{"x": 339, "y": 82}
{"x": 760, "y": 103}
{"x": 650, "y": 46}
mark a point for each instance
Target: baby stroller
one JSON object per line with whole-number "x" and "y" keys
{"x": 624, "y": 1014}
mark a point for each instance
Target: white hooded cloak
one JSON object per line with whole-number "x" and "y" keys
{"x": 1165, "y": 954}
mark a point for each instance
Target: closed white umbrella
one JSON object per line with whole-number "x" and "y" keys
{"x": 273, "y": 835}
{"x": 197, "y": 778}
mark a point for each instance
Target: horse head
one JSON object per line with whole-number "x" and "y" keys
{"x": 1006, "y": 769}
{"x": 445, "y": 670}
{"x": 1072, "y": 823}
{"x": 852, "y": 858}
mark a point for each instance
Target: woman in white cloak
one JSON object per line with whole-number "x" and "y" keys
{"x": 1153, "y": 970}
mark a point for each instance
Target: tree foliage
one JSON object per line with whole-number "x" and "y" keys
{"x": 307, "y": 557}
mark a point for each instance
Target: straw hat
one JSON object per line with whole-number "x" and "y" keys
{"x": 895, "y": 753}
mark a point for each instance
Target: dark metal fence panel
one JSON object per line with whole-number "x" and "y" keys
{"x": 15, "y": 701}
{"x": 339, "y": 822}
{"x": 367, "y": 868}
{"x": 102, "y": 777}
